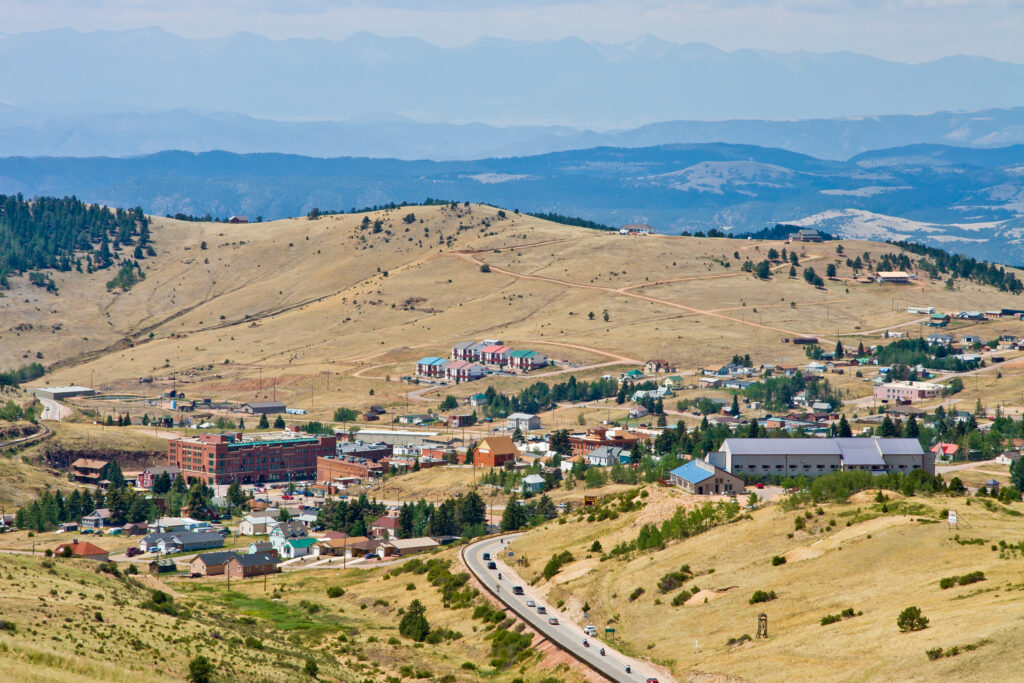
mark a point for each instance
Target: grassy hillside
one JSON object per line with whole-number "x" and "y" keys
{"x": 321, "y": 313}
{"x": 873, "y": 558}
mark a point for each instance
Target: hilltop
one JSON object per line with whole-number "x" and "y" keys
{"x": 325, "y": 312}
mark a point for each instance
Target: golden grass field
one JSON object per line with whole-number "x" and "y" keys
{"x": 877, "y": 566}
{"x": 320, "y": 313}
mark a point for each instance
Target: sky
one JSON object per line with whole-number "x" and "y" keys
{"x": 901, "y": 30}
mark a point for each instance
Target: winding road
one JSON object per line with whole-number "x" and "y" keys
{"x": 566, "y": 634}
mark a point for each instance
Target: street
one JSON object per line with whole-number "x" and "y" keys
{"x": 53, "y": 410}
{"x": 567, "y": 635}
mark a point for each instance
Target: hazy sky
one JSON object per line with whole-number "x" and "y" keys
{"x": 905, "y": 30}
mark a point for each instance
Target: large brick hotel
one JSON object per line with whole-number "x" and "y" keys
{"x": 249, "y": 458}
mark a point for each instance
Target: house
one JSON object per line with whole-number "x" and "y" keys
{"x": 636, "y": 229}
{"x": 992, "y": 486}
{"x": 938, "y": 320}
{"x": 478, "y": 400}
{"x": 97, "y": 519}
{"x": 605, "y": 456}
{"x": 385, "y": 527}
{"x": 653, "y": 394}
{"x": 920, "y": 310}
{"x": 673, "y": 382}
{"x": 297, "y": 547}
{"x": 703, "y": 478}
{"x": 263, "y": 407}
{"x": 210, "y": 564}
{"x": 524, "y": 422}
{"x": 257, "y": 564}
{"x": 944, "y": 451}
{"x": 806, "y": 235}
{"x": 162, "y": 565}
{"x": 456, "y": 421}
{"x": 87, "y": 470}
{"x": 181, "y": 542}
{"x": 907, "y": 391}
{"x": 431, "y": 366}
{"x": 146, "y": 477}
{"x": 370, "y": 417}
{"x": 653, "y": 367}
{"x": 532, "y": 483}
{"x": 463, "y": 371}
{"x": 281, "y": 532}
{"x": 495, "y": 451}
{"x": 582, "y": 444}
{"x": 166, "y": 524}
{"x": 495, "y": 354}
{"x": 83, "y": 549}
{"x": 373, "y": 546}
{"x": 134, "y": 529}
{"x": 525, "y": 361}
{"x": 255, "y": 526}
{"x": 943, "y": 339}
{"x": 260, "y": 547}
{"x": 897, "y": 277}
{"x": 637, "y": 413}
{"x": 238, "y": 219}
{"x": 1008, "y": 457}
{"x": 411, "y": 546}
{"x": 338, "y": 546}
{"x": 418, "y": 418}
{"x": 633, "y": 375}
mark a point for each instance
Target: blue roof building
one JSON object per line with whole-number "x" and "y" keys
{"x": 703, "y": 478}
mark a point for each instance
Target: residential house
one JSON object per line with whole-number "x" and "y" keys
{"x": 385, "y": 527}
{"x": 84, "y": 550}
{"x": 605, "y": 456}
{"x": 524, "y": 422}
{"x": 532, "y": 483}
{"x": 134, "y": 529}
{"x": 281, "y": 532}
{"x": 673, "y": 382}
{"x": 637, "y": 413}
{"x": 945, "y": 451}
{"x": 263, "y": 407}
{"x": 582, "y": 444}
{"x": 477, "y": 400}
{"x": 633, "y": 375}
{"x": 457, "y": 421}
{"x": 297, "y": 547}
{"x": 936, "y": 338}
{"x": 703, "y": 478}
{"x": 260, "y": 547}
{"x": 806, "y": 235}
{"x": 255, "y": 526}
{"x": 183, "y": 542}
{"x": 467, "y": 350}
{"x": 525, "y": 361}
{"x": 411, "y": 546}
{"x": 938, "y": 320}
{"x": 653, "y": 367}
{"x": 431, "y": 366}
{"x": 495, "y": 451}
{"x": 99, "y": 518}
{"x": 87, "y": 470}
{"x": 372, "y": 546}
{"x": 257, "y": 564}
{"x": 1008, "y": 457}
{"x": 146, "y": 477}
{"x": 893, "y": 277}
{"x": 338, "y": 546}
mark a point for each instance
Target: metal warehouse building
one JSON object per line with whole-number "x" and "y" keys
{"x": 57, "y": 393}
{"x": 814, "y": 457}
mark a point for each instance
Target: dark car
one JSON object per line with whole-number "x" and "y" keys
{"x": 370, "y": 556}
{"x": 492, "y": 565}
{"x": 132, "y": 552}
{"x": 517, "y": 590}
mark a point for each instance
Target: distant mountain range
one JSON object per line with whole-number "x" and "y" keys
{"x": 965, "y": 200}
{"x": 498, "y": 82}
{"x": 29, "y": 131}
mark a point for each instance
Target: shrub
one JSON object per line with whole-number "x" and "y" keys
{"x": 762, "y": 596}
{"x": 911, "y": 619}
{"x": 777, "y": 560}
{"x": 934, "y": 653}
{"x": 674, "y": 580}
{"x": 947, "y": 582}
{"x": 973, "y": 577}
{"x": 555, "y": 564}
{"x": 414, "y": 623}
{"x": 595, "y": 547}
{"x": 200, "y": 670}
{"x": 335, "y": 592}
{"x": 830, "y": 619}
{"x": 254, "y": 643}
{"x": 681, "y": 598}
{"x": 636, "y": 594}
{"x": 311, "y": 668}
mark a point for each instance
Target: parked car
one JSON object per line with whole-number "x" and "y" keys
{"x": 287, "y": 497}
{"x": 370, "y": 556}
{"x": 758, "y": 485}
{"x": 133, "y": 551}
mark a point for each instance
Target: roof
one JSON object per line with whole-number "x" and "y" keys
{"x": 386, "y": 522}
{"x": 192, "y": 537}
{"x": 261, "y": 546}
{"x": 307, "y": 542}
{"x": 102, "y": 513}
{"x": 81, "y": 549}
{"x": 430, "y": 360}
{"x": 164, "y": 562}
{"x": 694, "y": 471}
{"x": 343, "y": 542}
{"x": 255, "y": 559}
{"x": 606, "y": 452}
{"x": 496, "y": 348}
{"x": 265, "y": 404}
{"x": 219, "y": 557}
{"x": 893, "y": 273}
{"x": 521, "y": 416}
{"x": 522, "y": 353}
{"x": 498, "y": 444}
{"x": 406, "y": 543}
{"x": 89, "y": 463}
{"x": 852, "y": 450}
{"x": 533, "y": 479}
{"x": 464, "y": 345}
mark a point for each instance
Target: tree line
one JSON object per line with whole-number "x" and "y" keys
{"x": 939, "y": 262}
{"x": 66, "y": 233}
{"x": 463, "y": 515}
{"x": 539, "y": 396}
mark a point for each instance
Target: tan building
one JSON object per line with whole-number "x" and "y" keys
{"x": 210, "y": 564}
{"x": 257, "y": 564}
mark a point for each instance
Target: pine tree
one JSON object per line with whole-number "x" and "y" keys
{"x": 279, "y": 423}
{"x": 263, "y": 423}
{"x": 844, "y": 427}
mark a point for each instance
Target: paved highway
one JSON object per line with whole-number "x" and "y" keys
{"x": 567, "y": 635}
{"x": 53, "y": 410}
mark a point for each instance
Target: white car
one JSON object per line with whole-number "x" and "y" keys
{"x": 531, "y": 603}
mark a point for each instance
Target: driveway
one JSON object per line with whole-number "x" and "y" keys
{"x": 567, "y": 635}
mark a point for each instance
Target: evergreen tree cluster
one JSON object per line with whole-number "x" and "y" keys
{"x": 519, "y": 514}
{"x": 776, "y": 393}
{"x": 463, "y": 515}
{"x": 26, "y": 373}
{"x": 539, "y": 396}
{"x": 911, "y": 352}
{"x": 937, "y": 262}
{"x": 65, "y": 234}
{"x": 354, "y": 517}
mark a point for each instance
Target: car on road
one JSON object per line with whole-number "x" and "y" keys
{"x": 531, "y": 603}
{"x": 590, "y": 630}
{"x": 541, "y": 609}
{"x": 492, "y": 565}
{"x": 132, "y": 552}
{"x": 758, "y": 485}
{"x": 517, "y": 590}
{"x": 553, "y": 621}
{"x": 487, "y": 556}
{"x": 652, "y": 680}
{"x": 287, "y": 497}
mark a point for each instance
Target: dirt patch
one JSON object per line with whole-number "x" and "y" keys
{"x": 151, "y": 581}
{"x": 575, "y": 571}
{"x": 664, "y": 501}
{"x": 702, "y": 596}
{"x": 868, "y": 497}
{"x": 818, "y": 548}
{"x": 704, "y": 677}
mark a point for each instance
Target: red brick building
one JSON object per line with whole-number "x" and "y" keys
{"x": 582, "y": 444}
{"x": 224, "y": 458}
{"x": 330, "y": 468}
{"x": 495, "y": 451}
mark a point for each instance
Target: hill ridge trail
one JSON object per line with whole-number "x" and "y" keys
{"x": 612, "y": 290}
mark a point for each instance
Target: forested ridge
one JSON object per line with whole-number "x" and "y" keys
{"x": 65, "y": 234}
